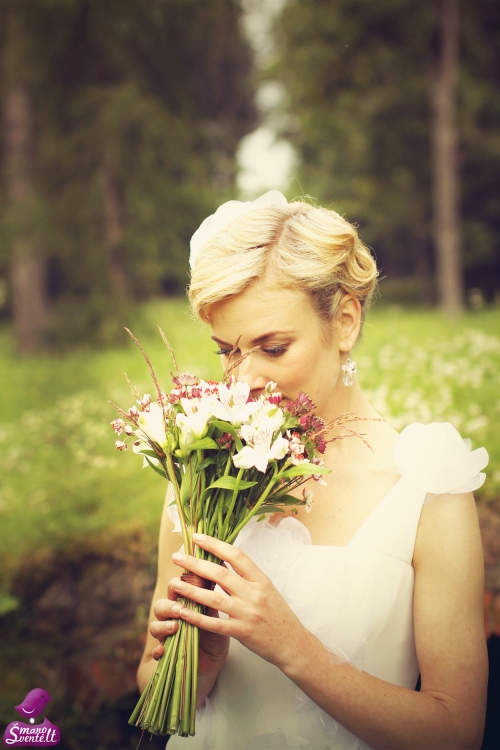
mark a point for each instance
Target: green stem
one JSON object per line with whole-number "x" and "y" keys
{"x": 254, "y": 510}
{"x": 231, "y": 504}
{"x": 175, "y": 703}
{"x": 194, "y": 684}
{"x": 177, "y": 495}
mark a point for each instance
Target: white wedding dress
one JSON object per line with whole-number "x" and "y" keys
{"x": 357, "y": 599}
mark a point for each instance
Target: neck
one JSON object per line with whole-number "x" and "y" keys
{"x": 347, "y": 400}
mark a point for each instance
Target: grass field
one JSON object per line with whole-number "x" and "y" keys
{"x": 62, "y": 479}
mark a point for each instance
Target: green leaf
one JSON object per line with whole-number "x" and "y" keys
{"x": 268, "y": 509}
{"x": 303, "y": 470}
{"x": 149, "y": 453}
{"x": 287, "y": 500}
{"x": 204, "y": 444}
{"x": 229, "y": 483}
{"x": 206, "y": 462}
{"x": 155, "y": 468}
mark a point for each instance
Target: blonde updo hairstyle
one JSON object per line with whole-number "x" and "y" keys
{"x": 297, "y": 246}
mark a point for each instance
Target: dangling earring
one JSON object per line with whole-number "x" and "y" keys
{"x": 349, "y": 369}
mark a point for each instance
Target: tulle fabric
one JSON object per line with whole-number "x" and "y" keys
{"x": 357, "y": 600}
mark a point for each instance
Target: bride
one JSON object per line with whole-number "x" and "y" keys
{"x": 321, "y": 623}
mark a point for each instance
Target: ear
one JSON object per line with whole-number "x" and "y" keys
{"x": 349, "y": 322}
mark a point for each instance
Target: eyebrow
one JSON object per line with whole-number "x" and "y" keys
{"x": 258, "y": 340}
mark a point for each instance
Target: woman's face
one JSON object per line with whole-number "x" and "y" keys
{"x": 294, "y": 351}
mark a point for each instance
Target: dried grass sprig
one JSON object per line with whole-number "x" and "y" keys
{"x": 170, "y": 349}
{"x": 134, "y": 390}
{"x": 148, "y": 362}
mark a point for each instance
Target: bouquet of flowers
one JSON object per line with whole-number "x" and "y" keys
{"x": 228, "y": 458}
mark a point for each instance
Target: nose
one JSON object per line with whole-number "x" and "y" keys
{"x": 248, "y": 372}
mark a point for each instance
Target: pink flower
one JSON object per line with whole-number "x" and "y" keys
{"x": 120, "y": 445}
{"x": 308, "y": 497}
{"x": 225, "y": 441}
{"x": 297, "y": 448}
{"x": 133, "y": 412}
{"x": 275, "y": 398}
{"x": 301, "y": 405}
{"x": 145, "y": 402}
{"x": 118, "y": 426}
{"x": 185, "y": 379}
{"x": 317, "y": 477}
{"x": 129, "y": 430}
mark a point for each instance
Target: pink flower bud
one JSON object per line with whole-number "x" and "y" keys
{"x": 275, "y": 398}
{"x": 133, "y": 412}
{"x": 121, "y": 446}
{"x": 129, "y": 430}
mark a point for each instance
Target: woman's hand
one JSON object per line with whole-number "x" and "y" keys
{"x": 259, "y": 617}
{"x": 213, "y": 648}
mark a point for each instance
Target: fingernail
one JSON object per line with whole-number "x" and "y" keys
{"x": 176, "y": 609}
{"x": 178, "y": 585}
{"x": 169, "y": 624}
{"x": 178, "y": 557}
{"x": 199, "y": 537}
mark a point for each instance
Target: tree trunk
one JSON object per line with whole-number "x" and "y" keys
{"x": 27, "y": 265}
{"x": 423, "y": 270}
{"x": 113, "y": 228}
{"x": 446, "y": 177}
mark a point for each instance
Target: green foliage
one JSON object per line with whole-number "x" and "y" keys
{"x": 152, "y": 97}
{"x": 359, "y": 79}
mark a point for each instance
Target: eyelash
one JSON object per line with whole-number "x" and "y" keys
{"x": 275, "y": 351}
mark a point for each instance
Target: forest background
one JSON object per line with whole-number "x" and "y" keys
{"x": 121, "y": 127}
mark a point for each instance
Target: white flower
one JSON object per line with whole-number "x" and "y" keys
{"x": 197, "y": 412}
{"x": 258, "y": 450}
{"x": 152, "y": 424}
{"x": 226, "y": 214}
{"x": 120, "y": 445}
{"x": 232, "y": 406}
{"x": 268, "y": 411}
{"x": 435, "y": 458}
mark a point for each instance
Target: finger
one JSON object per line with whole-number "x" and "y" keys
{"x": 216, "y": 600}
{"x": 226, "y": 578}
{"x": 162, "y": 608}
{"x": 239, "y": 561}
{"x": 212, "y": 624}
{"x": 171, "y": 593}
{"x": 157, "y": 652}
{"x": 161, "y": 630}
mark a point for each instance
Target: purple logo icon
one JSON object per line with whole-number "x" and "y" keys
{"x": 19, "y": 734}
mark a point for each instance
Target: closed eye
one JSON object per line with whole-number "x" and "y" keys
{"x": 275, "y": 351}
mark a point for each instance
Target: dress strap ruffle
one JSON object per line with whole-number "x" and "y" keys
{"x": 438, "y": 460}
{"x": 433, "y": 460}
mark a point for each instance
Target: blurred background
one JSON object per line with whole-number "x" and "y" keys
{"x": 124, "y": 123}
